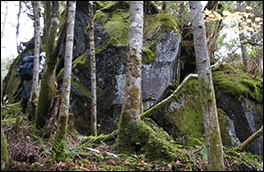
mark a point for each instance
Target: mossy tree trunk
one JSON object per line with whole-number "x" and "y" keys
{"x": 65, "y": 95}
{"x": 35, "y": 89}
{"x": 210, "y": 118}
{"x": 131, "y": 104}
{"x": 4, "y": 152}
{"x": 247, "y": 143}
{"x": 47, "y": 86}
{"x": 93, "y": 71}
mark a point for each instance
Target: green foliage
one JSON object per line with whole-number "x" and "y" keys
{"x": 247, "y": 159}
{"x": 5, "y": 65}
{"x": 42, "y": 144}
{"x": 204, "y": 153}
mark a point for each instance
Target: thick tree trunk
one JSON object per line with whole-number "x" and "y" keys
{"x": 93, "y": 71}
{"x": 35, "y": 88}
{"x": 210, "y": 118}
{"x": 65, "y": 95}
{"x": 47, "y": 86}
{"x": 4, "y": 152}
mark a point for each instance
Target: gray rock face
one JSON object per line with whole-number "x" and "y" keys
{"x": 157, "y": 77}
{"x": 244, "y": 117}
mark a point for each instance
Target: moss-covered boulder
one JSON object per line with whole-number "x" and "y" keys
{"x": 111, "y": 37}
{"x": 240, "y": 111}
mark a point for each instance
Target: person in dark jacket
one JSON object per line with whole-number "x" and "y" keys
{"x": 25, "y": 72}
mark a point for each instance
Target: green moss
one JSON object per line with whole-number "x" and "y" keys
{"x": 237, "y": 83}
{"x": 114, "y": 168}
{"x": 116, "y": 23}
{"x": 37, "y": 166}
{"x": 82, "y": 89}
{"x": 164, "y": 20}
{"x": 13, "y": 81}
{"x": 11, "y": 109}
{"x": 140, "y": 138}
{"x": 4, "y": 152}
{"x": 223, "y": 127}
{"x": 108, "y": 138}
{"x": 148, "y": 55}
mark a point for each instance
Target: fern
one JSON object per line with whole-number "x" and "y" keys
{"x": 42, "y": 144}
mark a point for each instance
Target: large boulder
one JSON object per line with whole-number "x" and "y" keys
{"x": 160, "y": 57}
{"x": 239, "y": 103}
{"x": 239, "y": 97}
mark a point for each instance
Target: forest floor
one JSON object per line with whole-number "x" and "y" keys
{"x": 25, "y": 149}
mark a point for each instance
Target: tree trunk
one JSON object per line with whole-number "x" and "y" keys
{"x": 65, "y": 95}
{"x": 4, "y": 152}
{"x": 93, "y": 71}
{"x": 242, "y": 37}
{"x": 4, "y": 22}
{"x": 17, "y": 28}
{"x": 247, "y": 143}
{"x": 210, "y": 118}
{"x": 35, "y": 88}
{"x": 131, "y": 103}
{"x": 47, "y": 86}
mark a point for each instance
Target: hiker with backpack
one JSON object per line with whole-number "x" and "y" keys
{"x": 25, "y": 72}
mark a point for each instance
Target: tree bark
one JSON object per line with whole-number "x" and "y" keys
{"x": 210, "y": 118}
{"x": 47, "y": 86}
{"x": 242, "y": 37}
{"x": 130, "y": 114}
{"x": 4, "y": 22}
{"x": 93, "y": 71}
{"x": 131, "y": 103}
{"x": 65, "y": 95}
{"x": 161, "y": 104}
{"x": 35, "y": 88}
{"x": 17, "y": 28}
{"x": 4, "y": 152}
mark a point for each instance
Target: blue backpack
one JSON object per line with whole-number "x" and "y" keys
{"x": 25, "y": 70}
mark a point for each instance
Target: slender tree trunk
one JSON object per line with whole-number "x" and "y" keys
{"x": 17, "y": 28}
{"x": 131, "y": 103}
{"x": 35, "y": 88}
{"x": 4, "y": 22}
{"x": 65, "y": 95}
{"x": 210, "y": 118}
{"x": 247, "y": 143}
{"x": 242, "y": 37}
{"x": 93, "y": 71}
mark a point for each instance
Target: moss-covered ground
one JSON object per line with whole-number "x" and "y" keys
{"x": 85, "y": 153}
